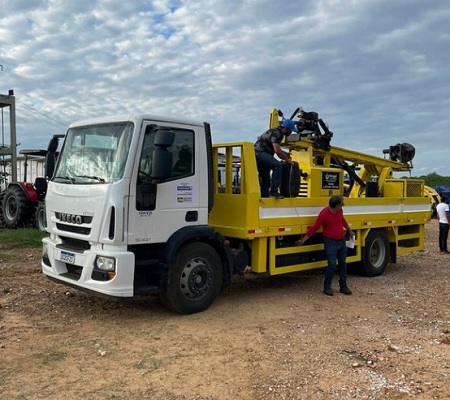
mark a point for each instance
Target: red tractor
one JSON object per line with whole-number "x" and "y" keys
{"x": 23, "y": 203}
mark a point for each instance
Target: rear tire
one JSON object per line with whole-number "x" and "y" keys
{"x": 194, "y": 279}
{"x": 433, "y": 211}
{"x": 16, "y": 208}
{"x": 376, "y": 254}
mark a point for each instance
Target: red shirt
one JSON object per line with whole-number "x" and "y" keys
{"x": 332, "y": 224}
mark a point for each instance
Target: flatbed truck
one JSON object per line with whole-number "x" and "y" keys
{"x": 144, "y": 204}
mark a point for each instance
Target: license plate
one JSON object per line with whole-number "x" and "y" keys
{"x": 67, "y": 257}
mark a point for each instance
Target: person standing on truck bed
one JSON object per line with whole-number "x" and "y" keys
{"x": 266, "y": 146}
{"x": 443, "y": 213}
{"x": 333, "y": 223}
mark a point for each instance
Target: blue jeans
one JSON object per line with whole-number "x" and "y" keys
{"x": 335, "y": 250}
{"x": 266, "y": 163}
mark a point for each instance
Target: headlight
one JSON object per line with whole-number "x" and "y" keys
{"x": 105, "y": 263}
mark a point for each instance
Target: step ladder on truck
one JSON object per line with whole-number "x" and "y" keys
{"x": 143, "y": 204}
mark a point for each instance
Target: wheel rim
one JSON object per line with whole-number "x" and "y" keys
{"x": 11, "y": 208}
{"x": 377, "y": 253}
{"x": 196, "y": 278}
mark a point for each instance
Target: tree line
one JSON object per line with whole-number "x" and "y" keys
{"x": 434, "y": 180}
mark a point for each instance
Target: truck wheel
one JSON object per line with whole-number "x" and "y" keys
{"x": 15, "y": 208}
{"x": 41, "y": 219}
{"x": 433, "y": 210}
{"x": 194, "y": 279}
{"x": 376, "y": 254}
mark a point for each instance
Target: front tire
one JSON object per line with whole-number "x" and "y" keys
{"x": 376, "y": 254}
{"x": 194, "y": 279}
{"x": 16, "y": 208}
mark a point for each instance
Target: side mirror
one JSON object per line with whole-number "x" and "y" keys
{"x": 49, "y": 164}
{"x": 162, "y": 159}
{"x": 53, "y": 144}
{"x": 164, "y": 137}
{"x": 162, "y": 165}
{"x": 50, "y": 157}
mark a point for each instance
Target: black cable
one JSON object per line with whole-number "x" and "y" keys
{"x": 32, "y": 109}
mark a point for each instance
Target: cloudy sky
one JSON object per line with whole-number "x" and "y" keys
{"x": 377, "y": 71}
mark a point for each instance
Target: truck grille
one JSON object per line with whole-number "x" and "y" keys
{"x": 76, "y": 245}
{"x": 74, "y": 229}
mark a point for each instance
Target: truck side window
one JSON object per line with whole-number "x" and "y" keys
{"x": 183, "y": 153}
{"x": 183, "y": 165}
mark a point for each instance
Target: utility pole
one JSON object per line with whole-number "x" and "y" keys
{"x": 10, "y": 101}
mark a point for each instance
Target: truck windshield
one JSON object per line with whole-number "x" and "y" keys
{"x": 94, "y": 154}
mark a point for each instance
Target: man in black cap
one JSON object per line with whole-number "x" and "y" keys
{"x": 266, "y": 146}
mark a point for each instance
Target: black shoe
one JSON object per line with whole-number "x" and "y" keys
{"x": 328, "y": 292}
{"x": 345, "y": 290}
{"x": 276, "y": 195}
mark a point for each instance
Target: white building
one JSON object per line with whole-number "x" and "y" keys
{"x": 35, "y": 168}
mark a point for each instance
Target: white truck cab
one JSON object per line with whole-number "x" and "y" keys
{"x": 125, "y": 194}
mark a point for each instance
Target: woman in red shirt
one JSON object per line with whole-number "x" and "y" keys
{"x": 333, "y": 224}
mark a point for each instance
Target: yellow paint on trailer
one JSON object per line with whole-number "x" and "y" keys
{"x": 269, "y": 227}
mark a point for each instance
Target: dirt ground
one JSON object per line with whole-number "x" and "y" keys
{"x": 270, "y": 338}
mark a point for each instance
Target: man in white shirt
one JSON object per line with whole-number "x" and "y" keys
{"x": 444, "y": 223}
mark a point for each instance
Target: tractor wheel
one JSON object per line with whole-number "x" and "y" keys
{"x": 2, "y": 220}
{"x": 40, "y": 217}
{"x": 194, "y": 279}
{"x": 16, "y": 208}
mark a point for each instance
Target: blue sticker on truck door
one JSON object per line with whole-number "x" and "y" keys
{"x": 184, "y": 193}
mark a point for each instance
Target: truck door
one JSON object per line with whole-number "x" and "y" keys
{"x": 158, "y": 209}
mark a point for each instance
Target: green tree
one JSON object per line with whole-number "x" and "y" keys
{"x": 433, "y": 179}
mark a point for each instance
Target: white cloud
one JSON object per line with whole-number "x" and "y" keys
{"x": 375, "y": 70}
